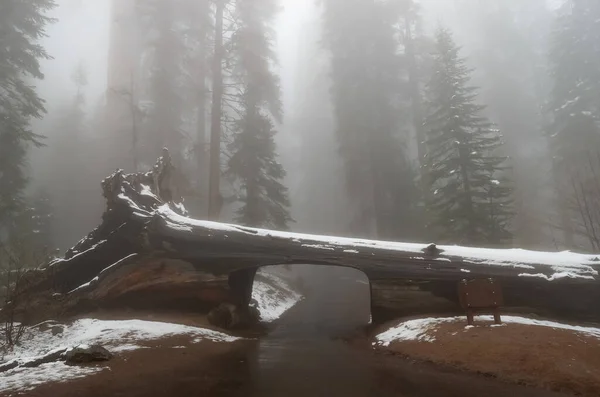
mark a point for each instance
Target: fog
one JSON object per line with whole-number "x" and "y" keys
{"x": 361, "y": 115}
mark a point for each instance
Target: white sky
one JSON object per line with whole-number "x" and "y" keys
{"x": 80, "y": 35}
{"x": 293, "y": 16}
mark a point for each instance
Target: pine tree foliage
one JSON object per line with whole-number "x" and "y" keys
{"x": 198, "y": 27}
{"x": 575, "y": 68}
{"x": 574, "y": 109}
{"x": 313, "y": 163}
{"x": 417, "y": 49}
{"x": 33, "y": 226}
{"x": 471, "y": 198}
{"x": 253, "y": 160}
{"x": 514, "y": 92}
{"x": 68, "y": 154}
{"x": 164, "y": 76}
{"x": 369, "y": 100}
{"x": 22, "y": 25}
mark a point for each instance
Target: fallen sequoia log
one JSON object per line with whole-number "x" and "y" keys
{"x": 147, "y": 252}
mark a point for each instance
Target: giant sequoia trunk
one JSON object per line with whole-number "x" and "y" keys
{"x": 147, "y": 252}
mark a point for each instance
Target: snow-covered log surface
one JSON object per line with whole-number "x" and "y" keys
{"x": 273, "y": 296}
{"x": 552, "y": 265}
{"x": 116, "y": 336}
{"x": 424, "y": 329}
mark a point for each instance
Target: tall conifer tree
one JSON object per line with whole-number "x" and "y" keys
{"x": 470, "y": 200}
{"x": 368, "y": 95}
{"x": 574, "y": 109}
{"x": 253, "y": 160}
{"x": 22, "y": 24}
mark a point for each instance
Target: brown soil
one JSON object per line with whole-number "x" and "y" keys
{"x": 161, "y": 370}
{"x": 555, "y": 359}
{"x": 232, "y": 370}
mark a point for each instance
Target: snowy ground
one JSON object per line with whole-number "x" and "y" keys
{"x": 273, "y": 295}
{"x": 23, "y": 379}
{"x": 425, "y": 328}
{"x": 116, "y": 336}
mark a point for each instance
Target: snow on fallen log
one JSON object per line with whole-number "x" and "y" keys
{"x": 270, "y": 245}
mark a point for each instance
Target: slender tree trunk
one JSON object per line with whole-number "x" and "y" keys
{"x": 566, "y": 223}
{"x": 415, "y": 95}
{"x": 134, "y": 127}
{"x": 424, "y": 183}
{"x": 376, "y": 204}
{"x": 468, "y": 200}
{"x": 215, "y": 199}
{"x": 201, "y": 128}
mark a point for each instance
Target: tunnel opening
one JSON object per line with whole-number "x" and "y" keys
{"x": 312, "y": 299}
{"x": 309, "y": 336}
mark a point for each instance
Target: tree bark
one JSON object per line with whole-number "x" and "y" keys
{"x": 201, "y": 159}
{"x": 415, "y": 94}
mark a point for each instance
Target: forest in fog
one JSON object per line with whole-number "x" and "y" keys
{"x": 471, "y": 122}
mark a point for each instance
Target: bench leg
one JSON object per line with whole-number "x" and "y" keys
{"x": 470, "y": 317}
{"x": 497, "y": 319}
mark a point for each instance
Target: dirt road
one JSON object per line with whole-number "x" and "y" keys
{"x": 301, "y": 356}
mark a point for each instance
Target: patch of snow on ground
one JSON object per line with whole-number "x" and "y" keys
{"x": 274, "y": 296}
{"x": 421, "y": 329}
{"x": 116, "y": 336}
{"x": 590, "y": 331}
{"x": 23, "y": 379}
{"x": 411, "y": 330}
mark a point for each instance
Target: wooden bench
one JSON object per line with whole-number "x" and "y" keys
{"x": 480, "y": 295}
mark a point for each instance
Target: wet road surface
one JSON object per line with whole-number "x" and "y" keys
{"x": 302, "y": 356}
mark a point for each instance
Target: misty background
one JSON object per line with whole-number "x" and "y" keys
{"x": 359, "y": 120}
